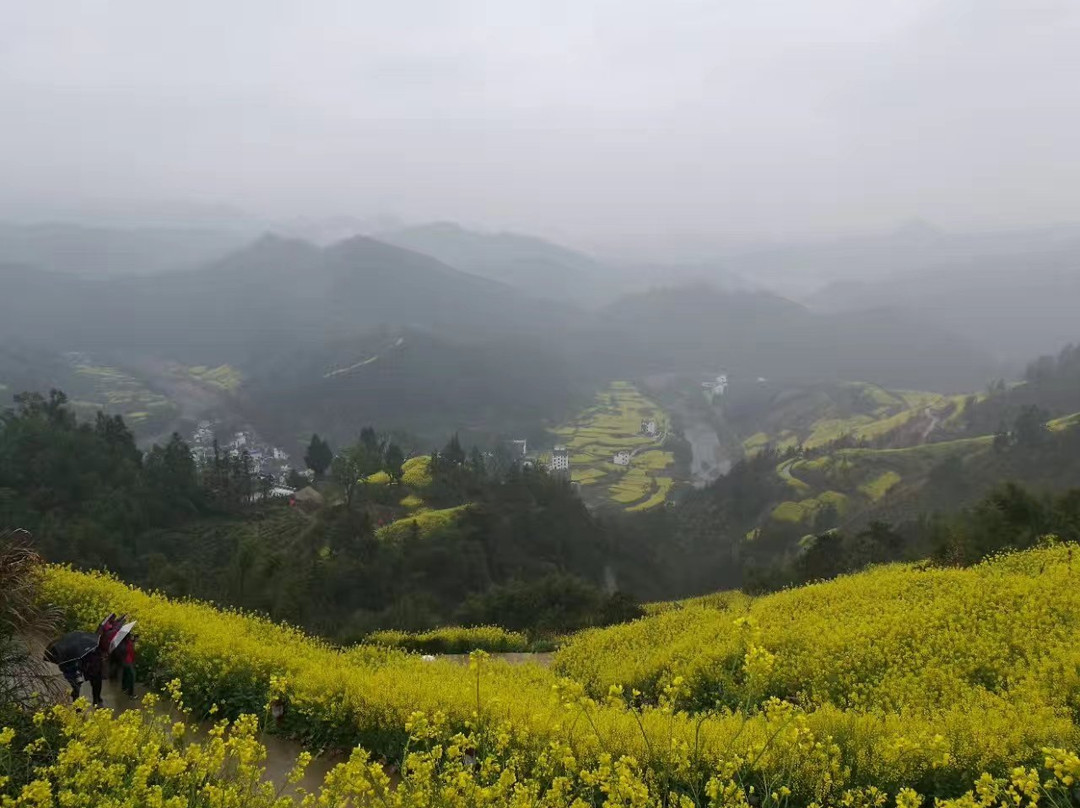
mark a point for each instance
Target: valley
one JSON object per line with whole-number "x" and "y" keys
{"x": 708, "y": 460}
{"x": 530, "y": 405}
{"x": 401, "y": 508}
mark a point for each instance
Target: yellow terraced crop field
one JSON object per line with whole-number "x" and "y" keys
{"x": 421, "y": 524}
{"x": 882, "y": 413}
{"x": 224, "y": 377}
{"x": 611, "y": 425}
{"x": 116, "y": 391}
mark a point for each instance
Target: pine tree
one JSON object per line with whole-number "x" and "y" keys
{"x": 453, "y": 454}
{"x": 318, "y": 456}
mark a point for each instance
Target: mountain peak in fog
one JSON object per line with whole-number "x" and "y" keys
{"x": 919, "y": 229}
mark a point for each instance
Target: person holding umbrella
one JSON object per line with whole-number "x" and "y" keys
{"x": 77, "y": 655}
{"x": 122, "y": 648}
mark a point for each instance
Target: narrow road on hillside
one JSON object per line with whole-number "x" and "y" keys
{"x": 784, "y": 470}
{"x": 934, "y": 422}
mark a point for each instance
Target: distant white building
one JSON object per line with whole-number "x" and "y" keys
{"x": 204, "y": 434}
{"x": 717, "y": 387}
{"x": 622, "y": 458}
{"x": 560, "y": 460}
{"x": 648, "y": 427}
{"x": 518, "y": 448}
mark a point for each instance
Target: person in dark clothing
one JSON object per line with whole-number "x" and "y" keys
{"x": 70, "y": 669}
{"x": 91, "y": 667}
{"x": 88, "y": 668}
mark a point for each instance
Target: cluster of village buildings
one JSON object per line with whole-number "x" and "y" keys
{"x": 265, "y": 459}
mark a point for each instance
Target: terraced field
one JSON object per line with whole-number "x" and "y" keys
{"x": 862, "y": 476}
{"x": 111, "y": 389}
{"x": 870, "y": 413}
{"x": 223, "y": 377}
{"x": 613, "y": 424}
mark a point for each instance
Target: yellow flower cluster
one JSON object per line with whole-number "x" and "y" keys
{"x": 898, "y": 678}
{"x": 453, "y": 640}
{"x": 139, "y": 760}
{"x": 893, "y": 638}
{"x": 953, "y": 670}
{"x": 422, "y": 524}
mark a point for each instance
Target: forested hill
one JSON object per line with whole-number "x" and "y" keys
{"x": 395, "y": 543}
{"x": 762, "y": 334}
{"x": 839, "y": 475}
{"x": 461, "y": 535}
{"x": 1050, "y": 388}
{"x": 430, "y": 385}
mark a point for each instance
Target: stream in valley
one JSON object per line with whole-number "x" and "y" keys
{"x": 709, "y": 460}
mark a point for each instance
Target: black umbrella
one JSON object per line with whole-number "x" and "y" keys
{"x": 72, "y": 646}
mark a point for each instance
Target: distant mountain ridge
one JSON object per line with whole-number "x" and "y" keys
{"x": 306, "y": 324}
{"x": 538, "y": 267}
{"x": 552, "y": 271}
{"x": 273, "y": 292}
{"x": 109, "y": 252}
{"x": 1016, "y": 306}
{"x": 758, "y": 333}
{"x": 802, "y": 269}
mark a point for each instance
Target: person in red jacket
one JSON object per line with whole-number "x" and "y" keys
{"x": 126, "y": 651}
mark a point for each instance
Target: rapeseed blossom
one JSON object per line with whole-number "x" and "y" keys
{"x": 893, "y": 685}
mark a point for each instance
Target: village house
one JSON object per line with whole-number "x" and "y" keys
{"x": 648, "y": 427}
{"x": 716, "y": 388}
{"x": 560, "y": 460}
{"x": 622, "y": 458}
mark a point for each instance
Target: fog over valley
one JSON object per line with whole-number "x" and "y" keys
{"x": 555, "y": 403}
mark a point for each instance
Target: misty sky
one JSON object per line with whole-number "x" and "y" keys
{"x": 741, "y": 118}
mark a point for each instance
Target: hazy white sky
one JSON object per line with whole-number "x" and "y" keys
{"x": 592, "y": 118}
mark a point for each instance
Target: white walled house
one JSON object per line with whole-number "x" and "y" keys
{"x": 622, "y": 458}
{"x": 648, "y": 427}
{"x": 716, "y": 388}
{"x": 560, "y": 460}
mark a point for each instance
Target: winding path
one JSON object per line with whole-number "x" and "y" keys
{"x": 935, "y": 421}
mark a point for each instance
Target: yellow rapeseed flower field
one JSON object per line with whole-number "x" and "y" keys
{"x": 873, "y": 689}
{"x": 453, "y": 640}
